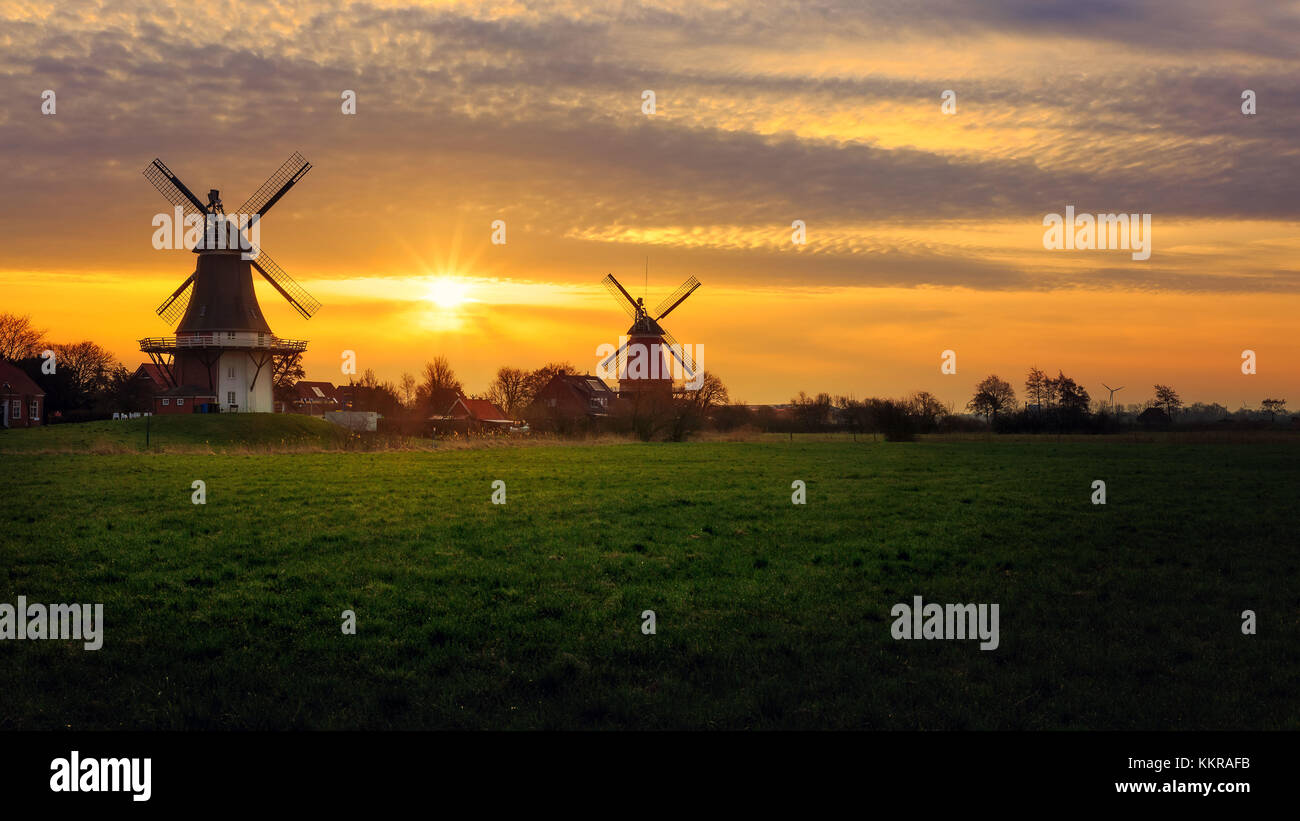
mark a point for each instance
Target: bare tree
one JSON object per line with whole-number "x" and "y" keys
{"x": 856, "y": 413}
{"x": 89, "y": 367}
{"x": 408, "y": 385}
{"x": 1167, "y": 398}
{"x": 18, "y": 339}
{"x": 1272, "y": 407}
{"x": 927, "y": 408}
{"x": 440, "y": 386}
{"x": 538, "y": 378}
{"x": 286, "y": 370}
{"x": 369, "y": 394}
{"x": 509, "y": 391}
{"x": 1037, "y": 387}
{"x": 646, "y": 414}
{"x": 691, "y": 407}
{"x": 813, "y": 412}
{"x": 992, "y": 396}
{"x": 1067, "y": 393}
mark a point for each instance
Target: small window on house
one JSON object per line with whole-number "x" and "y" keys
{"x": 550, "y": 403}
{"x": 203, "y": 310}
{"x": 33, "y": 410}
{"x": 180, "y": 402}
{"x": 16, "y": 409}
{"x": 230, "y": 334}
{"x": 230, "y": 397}
{"x": 230, "y": 372}
{"x": 166, "y": 402}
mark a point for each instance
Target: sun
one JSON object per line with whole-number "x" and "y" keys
{"x": 448, "y": 292}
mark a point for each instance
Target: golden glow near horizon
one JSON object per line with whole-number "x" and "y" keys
{"x": 924, "y": 229}
{"x": 448, "y": 292}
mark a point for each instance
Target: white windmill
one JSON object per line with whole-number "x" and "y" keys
{"x": 1113, "y": 391}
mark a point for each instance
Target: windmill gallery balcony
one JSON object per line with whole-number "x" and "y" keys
{"x": 221, "y": 341}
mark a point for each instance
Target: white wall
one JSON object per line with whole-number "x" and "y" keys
{"x": 258, "y": 400}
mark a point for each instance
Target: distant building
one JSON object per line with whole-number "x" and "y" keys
{"x": 185, "y": 399}
{"x": 569, "y": 400}
{"x": 314, "y": 398}
{"x": 152, "y": 378}
{"x": 360, "y": 421}
{"x": 472, "y": 415}
{"x": 22, "y": 400}
{"x": 1153, "y": 418}
{"x": 439, "y": 399}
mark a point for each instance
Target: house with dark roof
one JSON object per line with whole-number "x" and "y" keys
{"x": 21, "y": 399}
{"x": 314, "y": 398}
{"x": 569, "y": 401}
{"x": 152, "y": 377}
{"x": 472, "y": 415}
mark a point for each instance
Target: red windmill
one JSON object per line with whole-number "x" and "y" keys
{"x": 641, "y": 365}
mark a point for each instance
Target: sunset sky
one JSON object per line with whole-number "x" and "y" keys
{"x": 924, "y": 230}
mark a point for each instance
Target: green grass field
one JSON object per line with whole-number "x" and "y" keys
{"x": 770, "y": 615}
{"x": 184, "y": 433}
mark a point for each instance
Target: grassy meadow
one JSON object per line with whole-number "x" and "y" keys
{"x": 769, "y": 615}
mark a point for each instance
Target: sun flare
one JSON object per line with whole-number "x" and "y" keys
{"x": 448, "y": 292}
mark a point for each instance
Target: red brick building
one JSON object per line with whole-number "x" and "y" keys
{"x": 569, "y": 401}
{"x": 185, "y": 399}
{"x": 22, "y": 399}
{"x": 477, "y": 415}
{"x": 152, "y": 378}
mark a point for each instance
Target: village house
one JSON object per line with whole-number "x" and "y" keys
{"x": 151, "y": 378}
{"x": 185, "y": 399}
{"x": 472, "y": 416}
{"x": 570, "y": 400}
{"x": 21, "y": 399}
{"x": 314, "y": 398}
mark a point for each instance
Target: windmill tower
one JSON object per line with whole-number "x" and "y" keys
{"x": 223, "y": 346}
{"x": 1113, "y": 391}
{"x": 641, "y": 365}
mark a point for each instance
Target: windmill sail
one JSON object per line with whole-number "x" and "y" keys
{"x": 621, "y": 356}
{"x": 627, "y": 302}
{"x": 676, "y": 349}
{"x": 297, "y": 296}
{"x": 676, "y": 298}
{"x": 275, "y": 187}
{"x": 172, "y": 189}
{"x": 175, "y": 306}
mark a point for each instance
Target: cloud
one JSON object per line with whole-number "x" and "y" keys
{"x": 770, "y": 113}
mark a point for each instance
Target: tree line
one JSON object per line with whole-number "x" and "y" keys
{"x": 90, "y": 383}
{"x": 408, "y": 403}
{"x": 87, "y": 383}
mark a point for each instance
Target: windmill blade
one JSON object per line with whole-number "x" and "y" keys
{"x": 615, "y": 289}
{"x": 171, "y": 187}
{"x": 676, "y": 349}
{"x": 615, "y": 355}
{"x": 172, "y": 309}
{"x": 297, "y": 296}
{"x": 275, "y": 187}
{"x": 677, "y": 297}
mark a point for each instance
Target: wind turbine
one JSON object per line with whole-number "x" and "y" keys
{"x": 1113, "y": 391}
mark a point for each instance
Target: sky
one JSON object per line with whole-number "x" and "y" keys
{"x": 924, "y": 229}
